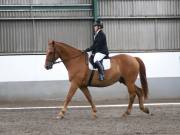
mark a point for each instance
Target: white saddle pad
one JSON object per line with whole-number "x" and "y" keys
{"x": 106, "y": 63}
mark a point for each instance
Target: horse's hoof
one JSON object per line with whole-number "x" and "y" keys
{"x": 146, "y": 110}
{"x": 125, "y": 115}
{"x": 60, "y": 116}
{"x": 94, "y": 116}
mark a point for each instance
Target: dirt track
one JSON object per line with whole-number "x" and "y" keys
{"x": 165, "y": 121}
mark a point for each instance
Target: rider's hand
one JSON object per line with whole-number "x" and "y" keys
{"x": 87, "y": 50}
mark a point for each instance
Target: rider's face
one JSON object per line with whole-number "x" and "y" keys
{"x": 95, "y": 28}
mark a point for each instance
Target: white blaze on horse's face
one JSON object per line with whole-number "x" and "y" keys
{"x": 50, "y": 57}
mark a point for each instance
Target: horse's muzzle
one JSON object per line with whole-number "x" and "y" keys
{"x": 48, "y": 67}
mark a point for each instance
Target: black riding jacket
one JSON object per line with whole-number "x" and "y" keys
{"x": 99, "y": 44}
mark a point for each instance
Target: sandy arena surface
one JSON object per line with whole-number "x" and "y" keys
{"x": 78, "y": 121}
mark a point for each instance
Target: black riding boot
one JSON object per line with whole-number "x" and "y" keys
{"x": 100, "y": 70}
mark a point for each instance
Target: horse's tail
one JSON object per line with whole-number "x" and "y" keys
{"x": 143, "y": 78}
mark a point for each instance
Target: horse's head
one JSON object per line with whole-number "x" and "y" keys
{"x": 51, "y": 55}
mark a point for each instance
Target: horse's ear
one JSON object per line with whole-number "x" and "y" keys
{"x": 51, "y": 42}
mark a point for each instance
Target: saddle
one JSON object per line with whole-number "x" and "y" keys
{"x": 105, "y": 62}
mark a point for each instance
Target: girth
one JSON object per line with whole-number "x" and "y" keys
{"x": 91, "y": 74}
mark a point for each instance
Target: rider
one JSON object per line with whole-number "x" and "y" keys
{"x": 99, "y": 48}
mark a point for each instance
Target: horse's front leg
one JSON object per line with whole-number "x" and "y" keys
{"x": 89, "y": 98}
{"x": 69, "y": 96}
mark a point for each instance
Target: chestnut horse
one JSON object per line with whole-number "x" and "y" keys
{"x": 124, "y": 69}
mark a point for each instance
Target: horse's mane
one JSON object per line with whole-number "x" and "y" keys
{"x": 67, "y": 46}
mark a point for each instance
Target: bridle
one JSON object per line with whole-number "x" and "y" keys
{"x": 53, "y": 61}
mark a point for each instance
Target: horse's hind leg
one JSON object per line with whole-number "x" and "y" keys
{"x": 71, "y": 93}
{"x": 141, "y": 100}
{"x": 132, "y": 95}
{"x": 89, "y": 98}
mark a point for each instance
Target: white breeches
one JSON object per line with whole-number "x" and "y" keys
{"x": 98, "y": 57}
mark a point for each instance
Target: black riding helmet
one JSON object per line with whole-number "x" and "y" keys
{"x": 98, "y": 23}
